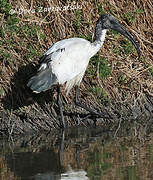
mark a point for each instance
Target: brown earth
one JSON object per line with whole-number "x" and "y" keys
{"x": 124, "y": 88}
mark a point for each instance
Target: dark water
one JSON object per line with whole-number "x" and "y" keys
{"x": 79, "y": 154}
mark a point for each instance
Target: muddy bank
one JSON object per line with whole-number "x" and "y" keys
{"x": 35, "y": 115}
{"x": 116, "y": 81}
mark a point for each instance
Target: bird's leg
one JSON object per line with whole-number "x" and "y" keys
{"x": 60, "y": 105}
{"x": 61, "y": 149}
{"x": 78, "y": 103}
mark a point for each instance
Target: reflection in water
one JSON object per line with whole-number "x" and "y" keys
{"x": 73, "y": 175}
{"x": 78, "y": 154}
{"x": 69, "y": 175}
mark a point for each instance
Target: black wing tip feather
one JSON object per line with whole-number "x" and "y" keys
{"x": 46, "y": 58}
{"x": 42, "y": 81}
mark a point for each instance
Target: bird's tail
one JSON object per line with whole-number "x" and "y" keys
{"x": 42, "y": 81}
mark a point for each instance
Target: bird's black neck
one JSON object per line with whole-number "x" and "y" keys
{"x": 100, "y": 33}
{"x": 99, "y": 38}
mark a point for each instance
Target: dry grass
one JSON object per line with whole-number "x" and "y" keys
{"x": 127, "y": 90}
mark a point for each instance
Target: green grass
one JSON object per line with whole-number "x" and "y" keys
{"x": 78, "y": 20}
{"x": 30, "y": 31}
{"x": 128, "y": 47}
{"x": 16, "y": 34}
{"x": 42, "y": 36}
{"x": 101, "y": 94}
{"x": 138, "y": 11}
{"x": 5, "y": 7}
{"x": 116, "y": 50}
{"x": 131, "y": 16}
{"x": 31, "y": 52}
{"x": 122, "y": 79}
{"x": 2, "y": 32}
{"x": 89, "y": 37}
{"x": 100, "y": 9}
{"x": 144, "y": 61}
{"x": 2, "y": 92}
{"x": 151, "y": 71}
{"x": 98, "y": 91}
{"x": 104, "y": 68}
{"x": 114, "y": 33}
{"x": 101, "y": 64}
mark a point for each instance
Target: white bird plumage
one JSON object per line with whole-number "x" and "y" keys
{"x": 69, "y": 59}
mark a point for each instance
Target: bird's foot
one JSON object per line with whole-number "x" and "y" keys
{"x": 93, "y": 111}
{"x": 100, "y": 114}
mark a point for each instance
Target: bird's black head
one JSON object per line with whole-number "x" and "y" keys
{"x": 108, "y": 21}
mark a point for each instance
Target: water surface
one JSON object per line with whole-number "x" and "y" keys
{"x": 79, "y": 154}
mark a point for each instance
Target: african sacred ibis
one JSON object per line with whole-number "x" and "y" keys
{"x": 67, "y": 60}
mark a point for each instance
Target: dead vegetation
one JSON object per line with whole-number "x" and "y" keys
{"x": 116, "y": 80}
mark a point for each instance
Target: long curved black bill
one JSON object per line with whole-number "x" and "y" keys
{"x": 121, "y": 29}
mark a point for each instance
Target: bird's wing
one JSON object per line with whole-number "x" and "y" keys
{"x": 48, "y": 54}
{"x": 56, "y": 51}
{"x": 67, "y": 58}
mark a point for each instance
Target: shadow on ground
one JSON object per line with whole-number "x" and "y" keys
{"x": 19, "y": 94}
{"x": 19, "y": 116}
